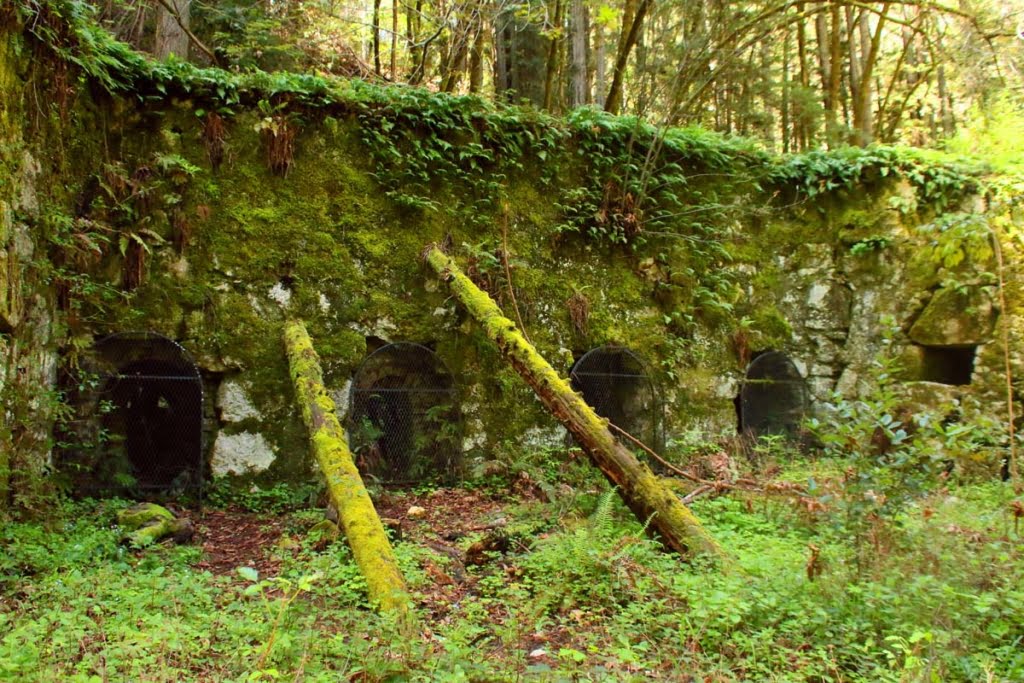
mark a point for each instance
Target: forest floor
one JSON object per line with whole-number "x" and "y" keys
{"x": 516, "y": 579}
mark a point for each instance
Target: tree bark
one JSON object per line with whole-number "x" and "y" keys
{"x": 788, "y": 130}
{"x": 171, "y": 34}
{"x": 649, "y": 499}
{"x": 835, "y": 75}
{"x": 551, "y": 70}
{"x": 821, "y": 34}
{"x": 803, "y": 136}
{"x": 376, "y": 37}
{"x": 600, "y": 62}
{"x": 394, "y": 41}
{"x": 630, "y": 34}
{"x": 359, "y": 520}
{"x": 578, "y": 29}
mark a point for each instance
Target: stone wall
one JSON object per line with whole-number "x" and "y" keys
{"x": 28, "y": 359}
{"x": 226, "y": 250}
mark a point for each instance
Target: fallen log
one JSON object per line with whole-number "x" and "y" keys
{"x": 644, "y": 494}
{"x": 146, "y": 523}
{"x": 359, "y": 520}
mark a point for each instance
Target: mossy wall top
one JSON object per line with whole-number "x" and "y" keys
{"x": 211, "y": 207}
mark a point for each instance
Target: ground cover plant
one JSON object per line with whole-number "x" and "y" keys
{"x": 573, "y": 590}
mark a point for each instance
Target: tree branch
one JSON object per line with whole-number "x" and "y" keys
{"x": 191, "y": 36}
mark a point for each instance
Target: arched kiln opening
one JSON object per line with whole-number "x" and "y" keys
{"x": 774, "y": 397}
{"x": 614, "y": 381}
{"x": 146, "y": 397}
{"x": 404, "y": 420}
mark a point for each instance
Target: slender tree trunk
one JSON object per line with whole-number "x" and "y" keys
{"x": 456, "y": 65}
{"x": 358, "y": 518}
{"x": 857, "y": 58}
{"x": 945, "y": 103}
{"x": 476, "y": 61}
{"x": 578, "y": 73}
{"x": 394, "y": 40}
{"x": 825, "y": 71}
{"x": 501, "y": 55}
{"x": 862, "y": 67}
{"x": 835, "y": 57}
{"x": 613, "y": 103}
{"x": 600, "y": 65}
{"x": 171, "y": 37}
{"x": 551, "y": 71}
{"x": 803, "y": 129}
{"x": 649, "y": 499}
{"x": 788, "y": 132}
{"x": 376, "y": 37}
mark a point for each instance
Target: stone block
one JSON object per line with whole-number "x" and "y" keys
{"x": 955, "y": 317}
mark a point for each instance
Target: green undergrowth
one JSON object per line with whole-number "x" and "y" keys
{"x": 587, "y": 597}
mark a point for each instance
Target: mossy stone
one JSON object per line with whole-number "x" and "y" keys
{"x": 141, "y": 514}
{"x": 955, "y": 317}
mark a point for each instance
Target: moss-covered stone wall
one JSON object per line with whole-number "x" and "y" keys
{"x": 156, "y": 215}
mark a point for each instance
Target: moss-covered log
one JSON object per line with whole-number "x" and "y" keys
{"x": 146, "y": 523}
{"x": 641, "y": 490}
{"x": 359, "y": 520}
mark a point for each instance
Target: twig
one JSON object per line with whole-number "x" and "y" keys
{"x": 1005, "y": 325}
{"x": 697, "y": 493}
{"x": 191, "y": 36}
{"x": 709, "y": 485}
{"x": 508, "y": 272}
{"x": 664, "y": 463}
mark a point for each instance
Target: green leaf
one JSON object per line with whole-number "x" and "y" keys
{"x": 248, "y": 573}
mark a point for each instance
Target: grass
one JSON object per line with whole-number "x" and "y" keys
{"x": 936, "y": 596}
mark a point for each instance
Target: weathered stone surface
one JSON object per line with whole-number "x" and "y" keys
{"x": 933, "y": 398}
{"x": 233, "y": 403}
{"x": 10, "y": 299}
{"x": 955, "y": 318}
{"x": 243, "y": 453}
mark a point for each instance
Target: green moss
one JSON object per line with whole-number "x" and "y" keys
{"x": 770, "y": 328}
{"x": 142, "y": 514}
{"x": 363, "y": 528}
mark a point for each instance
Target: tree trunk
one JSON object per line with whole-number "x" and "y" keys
{"x": 835, "y": 58}
{"x": 802, "y": 127}
{"x": 821, "y": 35}
{"x": 855, "y": 77}
{"x": 358, "y": 518}
{"x": 578, "y": 29}
{"x": 788, "y": 132}
{"x": 476, "y": 61}
{"x": 394, "y": 40}
{"x": 600, "y": 64}
{"x": 376, "y": 37}
{"x": 630, "y": 34}
{"x": 551, "y": 70}
{"x": 649, "y": 499}
{"x": 171, "y": 37}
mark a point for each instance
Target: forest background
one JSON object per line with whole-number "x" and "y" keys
{"x": 796, "y": 75}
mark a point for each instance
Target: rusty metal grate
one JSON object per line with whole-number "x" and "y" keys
{"x": 615, "y": 382}
{"x": 404, "y": 421}
{"x": 774, "y": 397}
{"x": 138, "y": 431}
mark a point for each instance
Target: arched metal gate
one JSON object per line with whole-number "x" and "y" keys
{"x": 404, "y": 420}
{"x": 614, "y": 381}
{"x": 774, "y": 396}
{"x": 141, "y": 398}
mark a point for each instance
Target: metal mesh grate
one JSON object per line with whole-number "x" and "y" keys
{"x": 139, "y": 429}
{"x": 774, "y": 396}
{"x": 404, "y": 421}
{"x": 614, "y": 382}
